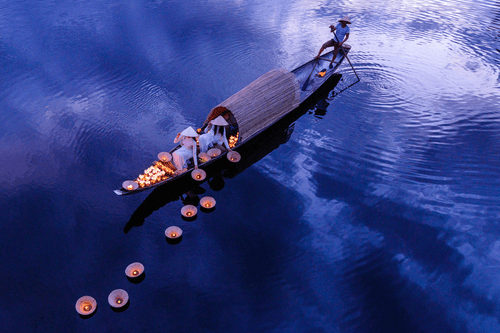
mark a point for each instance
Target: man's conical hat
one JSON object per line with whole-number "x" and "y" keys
{"x": 190, "y": 132}
{"x": 219, "y": 121}
{"x": 345, "y": 19}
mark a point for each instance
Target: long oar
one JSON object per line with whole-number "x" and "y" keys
{"x": 345, "y": 55}
{"x": 304, "y": 86}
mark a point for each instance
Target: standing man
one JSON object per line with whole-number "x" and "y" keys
{"x": 340, "y": 36}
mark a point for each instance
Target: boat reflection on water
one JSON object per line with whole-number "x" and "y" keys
{"x": 251, "y": 151}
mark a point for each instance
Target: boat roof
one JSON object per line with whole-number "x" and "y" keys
{"x": 262, "y": 102}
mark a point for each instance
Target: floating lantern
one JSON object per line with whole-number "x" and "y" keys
{"x": 198, "y": 175}
{"x": 233, "y": 156}
{"x": 214, "y": 152}
{"x": 134, "y": 270}
{"x": 118, "y": 298}
{"x": 165, "y": 157}
{"x": 173, "y": 232}
{"x": 204, "y": 157}
{"x": 189, "y": 211}
{"x": 130, "y": 185}
{"x": 207, "y": 202}
{"x": 86, "y": 305}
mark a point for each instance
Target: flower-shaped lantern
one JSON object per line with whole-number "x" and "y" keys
{"x": 207, "y": 202}
{"x": 214, "y": 152}
{"x": 134, "y": 270}
{"x": 86, "y": 305}
{"x": 118, "y": 298}
{"x": 173, "y": 232}
{"x": 165, "y": 157}
{"x": 130, "y": 185}
{"x": 233, "y": 156}
{"x": 189, "y": 211}
{"x": 198, "y": 174}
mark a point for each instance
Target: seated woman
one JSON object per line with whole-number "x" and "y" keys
{"x": 216, "y": 135}
{"x": 187, "y": 149}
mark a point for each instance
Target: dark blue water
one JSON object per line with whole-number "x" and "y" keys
{"x": 377, "y": 210}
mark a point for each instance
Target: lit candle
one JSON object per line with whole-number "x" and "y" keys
{"x": 118, "y": 298}
{"x": 173, "y": 232}
{"x": 130, "y": 187}
{"x": 207, "y": 205}
{"x": 135, "y": 272}
{"x": 87, "y": 307}
{"x": 189, "y": 213}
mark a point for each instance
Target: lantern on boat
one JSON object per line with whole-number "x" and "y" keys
{"x": 233, "y": 156}
{"x": 233, "y": 139}
{"x": 173, "y": 232}
{"x": 134, "y": 270}
{"x": 204, "y": 157}
{"x": 130, "y": 185}
{"x": 198, "y": 174}
{"x": 165, "y": 157}
{"x": 189, "y": 211}
{"x": 214, "y": 152}
{"x": 207, "y": 202}
{"x": 118, "y": 298}
{"x": 86, "y": 305}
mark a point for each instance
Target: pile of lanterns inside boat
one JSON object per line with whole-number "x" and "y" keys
{"x": 163, "y": 169}
{"x": 158, "y": 172}
{"x": 233, "y": 139}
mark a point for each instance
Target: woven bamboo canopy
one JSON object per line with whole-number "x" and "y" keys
{"x": 262, "y": 102}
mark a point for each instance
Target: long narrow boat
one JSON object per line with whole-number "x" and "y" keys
{"x": 249, "y": 112}
{"x": 253, "y": 151}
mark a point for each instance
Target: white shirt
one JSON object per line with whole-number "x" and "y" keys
{"x": 340, "y": 32}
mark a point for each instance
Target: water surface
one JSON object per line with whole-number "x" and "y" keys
{"x": 375, "y": 211}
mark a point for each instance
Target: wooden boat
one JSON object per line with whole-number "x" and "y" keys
{"x": 253, "y": 151}
{"x": 249, "y": 112}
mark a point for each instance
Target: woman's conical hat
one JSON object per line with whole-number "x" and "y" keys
{"x": 219, "y": 121}
{"x": 190, "y": 132}
{"x": 345, "y": 19}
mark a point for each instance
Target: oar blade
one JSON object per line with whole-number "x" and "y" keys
{"x": 306, "y": 83}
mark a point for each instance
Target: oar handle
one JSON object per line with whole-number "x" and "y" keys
{"x": 345, "y": 54}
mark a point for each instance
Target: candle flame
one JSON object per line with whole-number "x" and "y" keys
{"x": 130, "y": 187}
{"x": 119, "y": 300}
{"x": 87, "y": 307}
{"x": 207, "y": 205}
{"x": 135, "y": 272}
{"x": 174, "y": 234}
